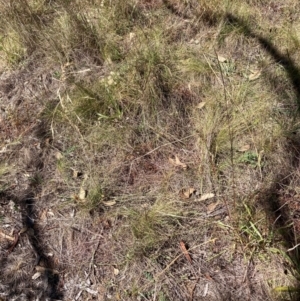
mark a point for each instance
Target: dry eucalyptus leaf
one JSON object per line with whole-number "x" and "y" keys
{"x": 90, "y": 291}
{"x": 109, "y": 203}
{"x": 36, "y": 276}
{"x": 186, "y": 193}
{"x": 41, "y": 269}
{"x": 211, "y": 207}
{"x": 185, "y": 251}
{"x": 222, "y": 59}
{"x": 75, "y": 173}
{"x": 201, "y": 105}
{"x": 177, "y": 162}
{"x": 43, "y": 215}
{"x": 244, "y": 148}
{"x": 50, "y": 212}
{"x": 58, "y": 156}
{"x": 254, "y": 75}
{"x": 206, "y": 196}
{"x": 82, "y": 194}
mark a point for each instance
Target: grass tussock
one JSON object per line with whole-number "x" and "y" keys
{"x": 167, "y": 128}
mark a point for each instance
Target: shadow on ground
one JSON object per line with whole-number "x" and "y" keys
{"x": 20, "y": 265}
{"x": 30, "y": 259}
{"x": 270, "y": 198}
{"x": 33, "y": 240}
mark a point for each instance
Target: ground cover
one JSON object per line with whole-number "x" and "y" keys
{"x": 149, "y": 150}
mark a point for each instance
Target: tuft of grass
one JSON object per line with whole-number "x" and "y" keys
{"x": 12, "y": 49}
{"x": 148, "y": 226}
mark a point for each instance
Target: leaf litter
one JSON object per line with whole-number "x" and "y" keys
{"x": 187, "y": 193}
{"x": 206, "y": 196}
{"x": 255, "y": 74}
{"x": 176, "y": 162}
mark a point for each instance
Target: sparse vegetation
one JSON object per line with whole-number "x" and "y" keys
{"x": 149, "y": 150}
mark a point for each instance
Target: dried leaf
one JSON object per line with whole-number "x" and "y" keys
{"x": 172, "y": 161}
{"x": 75, "y": 173}
{"x": 82, "y": 194}
{"x": 43, "y": 216}
{"x": 222, "y": 59}
{"x": 244, "y": 148}
{"x": 36, "y": 276}
{"x": 205, "y": 290}
{"x": 211, "y": 207}
{"x": 254, "y": 75}
{"x": 177, "y": 162}
{"x": 40, "y": 269}
{"x": 109, "y": 203}
{"x": 186, "y": 193}
{"x": 185, "y": 252}
{"x": 58, "y": 156}
{"x": 50, "y": 212}
{"x": 8, "y": 237}
{"x": 206, "y": 196}
{"x": 90, "y": 291}
{"x": 201, "y": 105}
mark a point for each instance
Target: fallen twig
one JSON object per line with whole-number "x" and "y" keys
{"x": 185, "y": 252}
{"x": 16, "y": 239}
{"x": 6, "y": 236}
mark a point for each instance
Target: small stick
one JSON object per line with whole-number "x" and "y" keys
{"x": 2, "y": 234}
{"x": 293, "y": 248}
{"x": 14, "y": 244}
{"x": 160, "y": 146}
{"x": 185, "y": 252}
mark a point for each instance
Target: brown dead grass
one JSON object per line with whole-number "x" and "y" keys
{"x": 95, "y": 100}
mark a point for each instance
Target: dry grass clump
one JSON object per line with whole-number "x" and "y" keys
{"x": 165, "y": 135}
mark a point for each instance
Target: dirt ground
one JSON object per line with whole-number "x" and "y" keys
{"x": 54, "y": 247}
{"x": 55, "y": 252}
